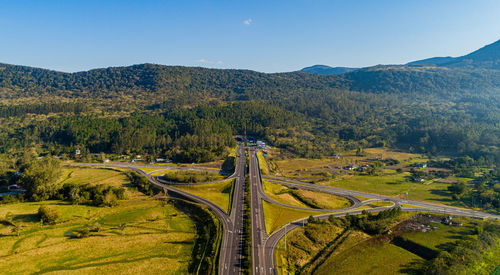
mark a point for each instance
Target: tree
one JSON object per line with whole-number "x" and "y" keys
{"x": 457, "y": 188}
{"x": 39, "y": 178}
{"x": 9, "y": 217}
{"x": 122, "y": 228}
{"x": 48, "y": 215}
{"x": 16, "y": 230}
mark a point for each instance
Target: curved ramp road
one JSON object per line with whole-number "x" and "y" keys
{"x": 422, "y": 205}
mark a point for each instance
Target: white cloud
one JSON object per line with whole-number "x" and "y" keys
{"x": 248, "y": 21}
{"x": 205, "y": 61}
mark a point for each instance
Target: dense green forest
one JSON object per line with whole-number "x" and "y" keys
{"x": 190, "y": 114}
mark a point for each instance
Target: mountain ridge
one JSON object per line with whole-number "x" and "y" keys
{"x": 326, "y": 70}
{"x": 486, "y": 57}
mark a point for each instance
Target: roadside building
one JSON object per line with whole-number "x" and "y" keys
{"x": 351, "y": 167}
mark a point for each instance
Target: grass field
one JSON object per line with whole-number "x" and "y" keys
{"x": 79, "y": 175}
{"x": 279, "y": 193}
{"x": 140, "y": 235}
{"x": 404, "y": 205}
{"x": 277, "y": 216}
{"x": 349, "y": 252}
{"x": 297, "y": 167}
{"x": 369, "y": 258}
{"x": 190, "y": 176}
{"x": 382, "y": 203}
{"x": 443, "y": 234}
{"x": 324, "y": 200}
{"x": 264, "y": 168}
{"x": 218, "y": 193}
{"x": 299, "y": 197}
{"x": 395, "y": 184}
{"x": 303, "y": 244}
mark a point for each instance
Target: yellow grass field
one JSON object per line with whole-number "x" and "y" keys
{"x": 140, "y": 235}
{"x": 395, "y": 184}
{"x": 277, "y": 216}
{"x": 282, "y": 194}
{"x": 264, "y": 168}
{"x": 382, "y": 203}
{"x": 80, "y": 175}
{"x": 368, "y": 258}
{"x": 218, "y": 193}
{"x": 324, "y": 200}
{"x": 274, "y": 191}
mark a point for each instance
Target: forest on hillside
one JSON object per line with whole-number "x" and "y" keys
{"x": 190, "y": 114}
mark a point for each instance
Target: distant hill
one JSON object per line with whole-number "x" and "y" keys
{"x": 327, "y": 70}
{"x": 487, "y": 57}
{"x": 433, "y": 61}
{"x": 193, "y": 84}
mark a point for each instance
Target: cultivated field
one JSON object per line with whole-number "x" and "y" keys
{"x": 140, "y": 235}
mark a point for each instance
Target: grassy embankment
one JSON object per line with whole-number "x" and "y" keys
{"x": 304, "y": 198}
{"x": 139, "y": 235}
{"x": 219, "y": 193}
{"x": 264, "y": 168}
{"x": 277, "y": 216}
{"x": 191, "y": 176}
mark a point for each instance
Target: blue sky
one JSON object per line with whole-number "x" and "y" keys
{"x": 267, "y": 36}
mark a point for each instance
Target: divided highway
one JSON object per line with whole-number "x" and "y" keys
{"x": 259, "y": 234}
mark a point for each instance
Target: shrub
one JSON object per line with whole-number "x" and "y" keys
{"x": 48, "y": 215}
{"x": 96, "y": 227}
{"x": 82, "y": 233}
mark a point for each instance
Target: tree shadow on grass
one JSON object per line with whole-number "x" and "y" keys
{"x": 413, "y": 268}
{"x": 445, "y": 246}
{"x": 394, "y": 182}
{"x": 26, "y": 218}
{"x": 441, "y": 193}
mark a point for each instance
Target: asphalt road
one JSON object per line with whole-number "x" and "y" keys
{"x": 233, "y": 249}
{"x": 421, "y": 205}
{"x": 260, "y": 263}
